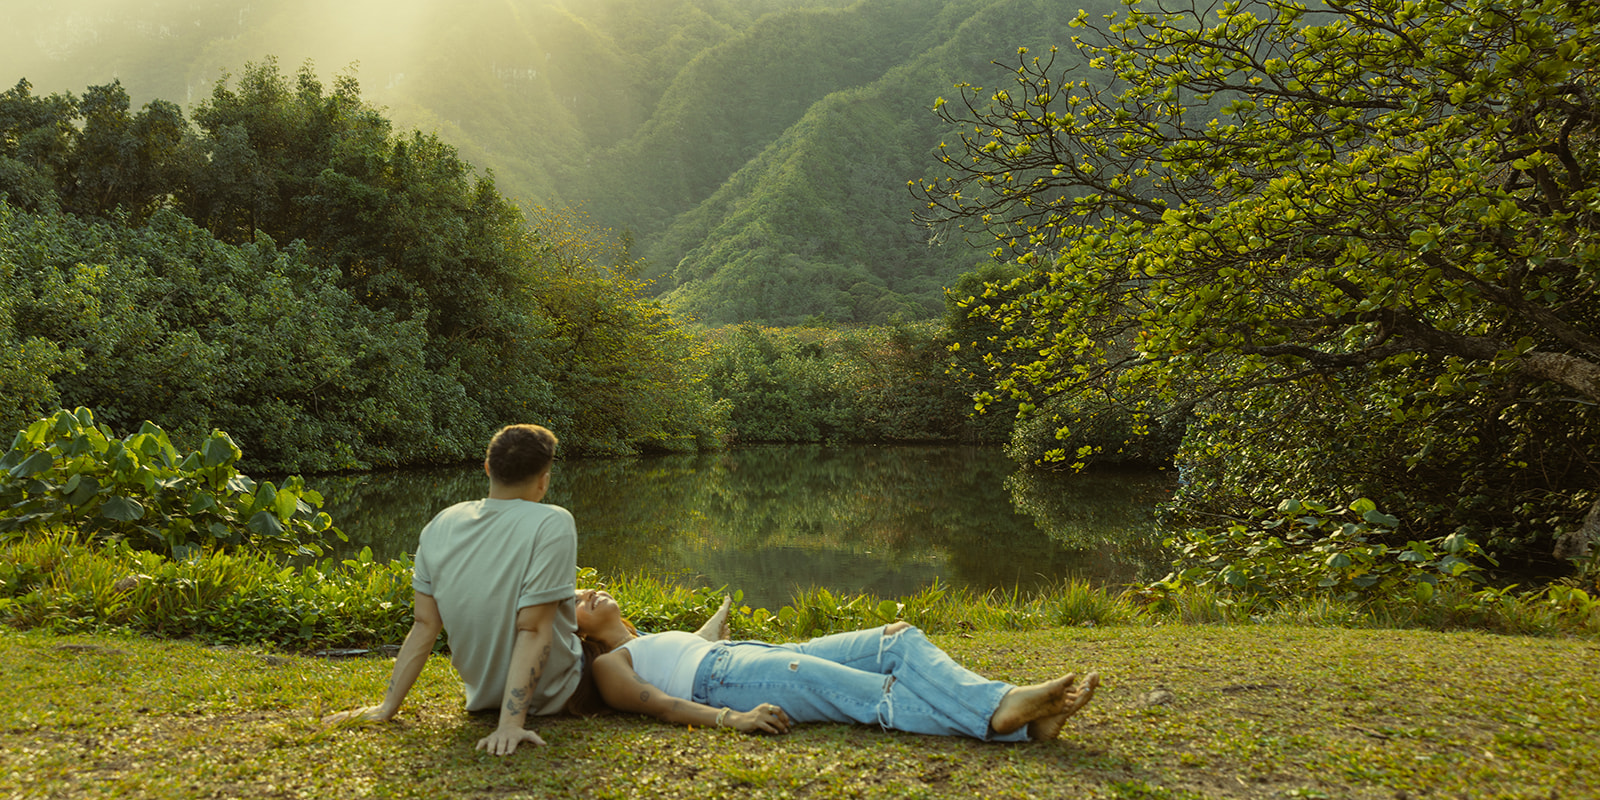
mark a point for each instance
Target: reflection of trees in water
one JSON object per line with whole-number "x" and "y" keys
{"x": 386, "y": 510}
{"x": 635, "y": 497}
{"x": 890, "y": 519}
{"x": 1108, "y": 513}
{"x": 633, "y": 514}
{"x": 771, "y": 578}
{"x": 885, "y": 520}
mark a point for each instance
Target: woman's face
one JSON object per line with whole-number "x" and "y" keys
{"x": 596, "y": 607}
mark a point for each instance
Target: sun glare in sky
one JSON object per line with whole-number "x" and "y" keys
{"x": 176, "y": 49}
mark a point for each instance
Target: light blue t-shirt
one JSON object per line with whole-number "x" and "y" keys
{"x": 482, "y": 561}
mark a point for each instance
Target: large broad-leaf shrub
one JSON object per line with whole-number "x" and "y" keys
{"x": 64, "y": 471}
{"x": 1302, "y": 549}
{"x": 1509, "y": 476}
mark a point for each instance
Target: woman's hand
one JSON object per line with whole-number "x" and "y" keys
{"x": 765, "y": 718}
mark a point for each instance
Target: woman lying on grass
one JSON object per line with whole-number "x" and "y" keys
{"x": 890, "y": 676}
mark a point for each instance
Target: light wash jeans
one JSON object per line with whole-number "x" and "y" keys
{"x": 900, "y": 682}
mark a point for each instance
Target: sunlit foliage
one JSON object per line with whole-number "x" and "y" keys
{"x": 826, "y": 384}
{"x": 1358, "y": 241}
{"x": 64, "y": 472}
{"x": 335, "y": 295}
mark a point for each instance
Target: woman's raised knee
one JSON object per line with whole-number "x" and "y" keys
{"x": 895, "y": 627}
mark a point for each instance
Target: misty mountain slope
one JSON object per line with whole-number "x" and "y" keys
{"x": 777, "y": 243}
{"x": 734, "y": 99}
{"x": 528, "y": 88}
{"x": 820, "y": 223}
{"x": 536, "y": 90}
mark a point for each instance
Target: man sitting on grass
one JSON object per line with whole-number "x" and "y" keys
{"x": 499, "y": 575}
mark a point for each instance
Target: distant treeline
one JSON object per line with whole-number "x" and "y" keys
{"x": 905, "y": 382}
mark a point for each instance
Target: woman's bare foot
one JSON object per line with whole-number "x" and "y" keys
{"x": 1025, "y": 704}
{"x": 1049, "y": 727}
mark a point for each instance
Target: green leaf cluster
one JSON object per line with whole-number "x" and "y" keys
{"x": 1307, "y": 548}
{"x": 165, "y": 323}
{"x": 839, "y": 384}
{"x": 66, "y": 472}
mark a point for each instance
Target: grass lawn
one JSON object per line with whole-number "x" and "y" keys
{"x": 1185, "y": 712}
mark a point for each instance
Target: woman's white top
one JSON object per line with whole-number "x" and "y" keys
{"x": 669, "y": 660}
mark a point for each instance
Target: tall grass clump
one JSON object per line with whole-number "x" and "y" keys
{"x": 66, "y": 582}
{"x": 1075, "y": 602}
{"x": 60, "y": 581}
{"x": 99, "y": 533}
{"x": 656, "y": 605}
{"x": 1559, "y": 608}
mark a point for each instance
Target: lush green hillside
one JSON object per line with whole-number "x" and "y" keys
{"x": 819, "y": 222}
{"x": 756, "y": 151}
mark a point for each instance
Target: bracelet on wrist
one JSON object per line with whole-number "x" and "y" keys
{"x": 722, "y": 715}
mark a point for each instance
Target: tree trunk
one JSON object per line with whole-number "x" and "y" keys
{"x": 1581, "y": 541}
{"x": 1575, "y": 372}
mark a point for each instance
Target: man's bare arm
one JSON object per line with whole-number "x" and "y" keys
{"x": 407, "y": 665}
{"x": 529, "y": 654}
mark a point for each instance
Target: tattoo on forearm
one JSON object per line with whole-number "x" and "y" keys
{"x": 644, "y": 696}
{"x": 538, "y": 666}
{"x": 518, "y": 702}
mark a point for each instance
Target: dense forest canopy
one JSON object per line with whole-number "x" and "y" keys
{"x": 332, "y": 293}
{"x": 754, "y": 152}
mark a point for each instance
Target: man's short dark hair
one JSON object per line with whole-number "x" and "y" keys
{"x": 520, "y": 453}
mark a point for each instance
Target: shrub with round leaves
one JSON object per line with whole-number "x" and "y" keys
{"x": 65, "y": 471}
{"x": 1305, "y": 548}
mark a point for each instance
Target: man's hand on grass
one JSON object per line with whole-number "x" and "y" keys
{"x": 504, "y": 741}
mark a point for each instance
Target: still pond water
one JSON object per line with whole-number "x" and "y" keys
{"x": 773, "y": 520}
